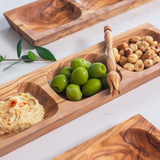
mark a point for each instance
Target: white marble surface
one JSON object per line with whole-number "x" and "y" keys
{"x": 143, "y": 100}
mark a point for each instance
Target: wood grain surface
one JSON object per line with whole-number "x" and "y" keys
{"x": 133, "y": 139}
{"x": 44, "y": 21}
{"x": 47, "y": 14}
{"x": 59, "y": 110}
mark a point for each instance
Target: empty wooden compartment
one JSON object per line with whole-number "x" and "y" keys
{"x": 44, "y": 21}
{"x": 59, "y": 110}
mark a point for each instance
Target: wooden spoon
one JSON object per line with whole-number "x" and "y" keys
{"x": 113, "y": 78}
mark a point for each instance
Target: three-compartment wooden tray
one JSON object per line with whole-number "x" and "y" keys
{"x": 59, "y": 110}
{"x": 133, "y": 139}
{"x": 44, "y": 21}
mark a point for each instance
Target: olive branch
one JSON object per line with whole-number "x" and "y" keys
{"x": 44, "y": 53}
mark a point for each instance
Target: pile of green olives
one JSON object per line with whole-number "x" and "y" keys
{"x": 81, "y": 78}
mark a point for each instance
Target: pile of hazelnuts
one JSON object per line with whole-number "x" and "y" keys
{"x": 141, "y": 53}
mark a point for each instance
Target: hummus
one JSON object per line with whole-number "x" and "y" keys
{"x": 19, "y": 112}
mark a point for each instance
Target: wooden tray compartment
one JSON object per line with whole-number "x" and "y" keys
{"x": 44, "y": 21}
{"x": 135, "y": 138}
{"x": 59, "y": 110}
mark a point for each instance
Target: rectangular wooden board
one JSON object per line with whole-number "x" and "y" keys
{"x": 58, "y": 108}
{"x": 133, "y": 139}
{"x": 45, "y": 21}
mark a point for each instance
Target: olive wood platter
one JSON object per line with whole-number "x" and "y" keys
{"x": 59, "y": 110}
{"x": 133, "y": 139}
{"x": 45, "y": 21}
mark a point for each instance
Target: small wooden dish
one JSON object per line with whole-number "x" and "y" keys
{"x": 133, "y": 139}
{"x": 59, "y": 110}
{"x": 44, "y": 21}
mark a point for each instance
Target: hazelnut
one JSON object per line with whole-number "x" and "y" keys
{"x": 143, "y": 57}
{"x": 148, "y": 39}
{"x": 148, "y": 63}
{"x": 157, "y": 59}
{"x": 132, "y": 58}
{"x": 156, "y": 48}
{"x": 143, "y": 46}
{"x": 127, "y": 52}
{"x": 129, "y": 67}
{"x": 154, "y": 60}
{"x": 150, "y": 54}
{"x": 154, "y": 43}
{"x": 133, "y": 46}
{"x": 139, "y": 53}
{"x": 123, "y": 46}
{"x": 121, "y": 52}
{"x": 117, "y": 57}
{"x": 115, "y": 51}
{"x": 139, "y": 42}
{"x": 123, "y": 60}
{"x": 139, "y": 65}
{"x": 135, "y": 39}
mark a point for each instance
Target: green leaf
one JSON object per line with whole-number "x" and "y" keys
{"x": 1, "y": 58}
{"x": 26, "y": 57}
{"x": 31, "y": 55}
{"x": 45, "y": 53}
{"x": 11, "y": 65}
{"x": 19, "y": 48}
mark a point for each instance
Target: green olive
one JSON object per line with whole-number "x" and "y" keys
{"x": 103, "y": 80}
{"x": 88, "y": 64}
{"x": 73, "y": 92}
{"x": 70, "y": 81}
{"x": 59, "y": 83}
{"x": 79, "y": 76}
{"x": 91, "y": 87}
{"x": 67, "y": 72}
{"x": 78, "y": 62}
{"x": 96, "y": 70}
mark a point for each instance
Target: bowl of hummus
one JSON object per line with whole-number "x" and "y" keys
{"x": 19, "y": 112}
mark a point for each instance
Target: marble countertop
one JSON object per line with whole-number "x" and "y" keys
{"x": 143, "y": 100}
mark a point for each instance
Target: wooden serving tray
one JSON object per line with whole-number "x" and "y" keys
{"x": 59, "y": 110}
{"x": 44, "y": 21}
{"x": 133, "y": 139}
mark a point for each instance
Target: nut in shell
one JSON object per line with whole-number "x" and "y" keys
{"x": 148, "y": 63}
{"x": 149, "y": 54}
{"x": 123, "y": 46}
{"x": 132, "y": 58}
{"x": 129, "y": 67}
{"x": 135, "y": 39}
{"x": 139, "y": 53}
{"x": 139, "y": 65}
{"x": 123, "y": 60}
{"x": 127, "y": 52}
